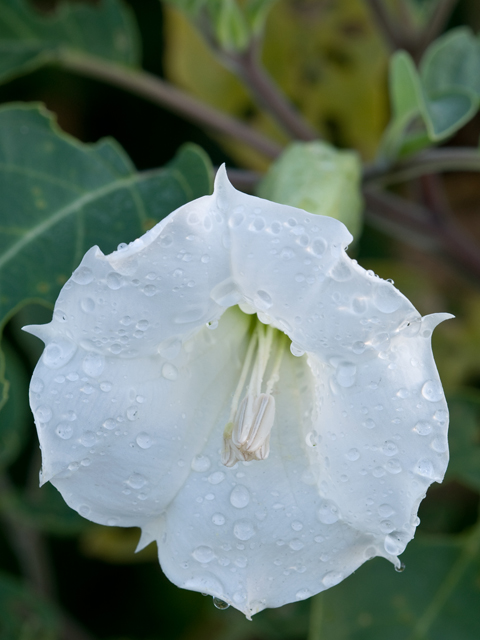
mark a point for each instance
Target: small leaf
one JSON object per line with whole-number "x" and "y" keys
{"x": 452, "y": 62}
{"x": 405, "y": 87}
{"x": 193, "y": 162}
{"x": 24, "y": 615}
{"x": 230, "y": 25}
{"x": 318, "y": 178}
{"x": 60, "y": 197}
{"x": 29, "y": 39}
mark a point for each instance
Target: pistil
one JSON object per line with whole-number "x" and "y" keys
{"x": 247, "y": 434}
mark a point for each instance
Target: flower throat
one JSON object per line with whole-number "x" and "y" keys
{"x": 247, "y": 434}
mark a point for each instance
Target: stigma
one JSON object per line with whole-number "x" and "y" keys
{"x": 247, "y": 434}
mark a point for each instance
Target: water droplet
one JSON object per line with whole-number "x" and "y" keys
{"x": 122, "y": 246}
{"x": 262, "y": 300}
{"x": 218, "y": 519}
{"x": 201, "y": 463}
{"x": 353, "y": 454}
{"x": 341, "y": 272}
{"x": 424, "y": 468}
{"x": 328, "y": 512}
{"x": 226, "y": 293}
{"x": 143, "y": 440}
{"x": 212, "y": 325}
{"x": 132, "y": 413}
{"x": 369, "y": 424}
{"x": 114, "y": 280}
{"x": 220, "y": 604}
{"x": 169, "y": 371}
{"x": 93, "y": 364}
{"x": 440, "y": 415}
{"x": 203, "y": 554}
{"x": 149, "y": 290}
{"x": 216, "y": 477}
{"x": 243, "y": 530}
{"x": 110, "y": 424}
{"x": 239, "y": 497}
{"x": 58, "y": 353}
{"x": 64, "y": 431}
{"x": 403, "y": 393}
{"x": 386, "y": 298}
{"x": 423, "y": 428}
{"x": 393, "y": 466}
{"x": 83, "y": 275}
{"x": 88, "y": 439}
{"x": 84, "y": 510}
{"x": 394, "y": 543}
{"x": 399, "y": 568}
{"x": 302, "y": 594}
{"x": 389, "y": 448}
{"x": 345, "y": 374}
{"x": 296, "y": 350}
{"x": 318, "y": 247}
{"x": 332, "y": 578}
{"x": 136, "y": 481}
{"x": 296, "y": 544}
{"x": 385, "y": 511}
{"x": 297, "y": 525}
{"x": 432, "y": 391}
{"x": 43, "y": 413}
{"x": 191, "y": 314}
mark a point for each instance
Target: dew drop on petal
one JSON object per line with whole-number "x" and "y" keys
{"x": 332, "y": 578}
{"x": 220, "y": 604}
{"x": 424, "y": 468}
{"x": 203, "y": 554}
{"x": 143, "y": 440}
{"x": 64, "y": 431}
{"x": 114, "y": 280}
{"x": 88, "y": 439}
{"x": 303, "y": 594}
{"x": 243, "y": 530}
{"x": 36, "y": 385}
{"x": 423, "y": 428}
{"x": 57, "y": 354}
{"x": 82, "y": 275}
{"x": 218, "y": 519}
{"x": 43, "y": 413}
{"x": 432, "y": 391}
{"x": 136, "y": 481}
{"x": 353, "y": 454}
{"x": 201, "y": 463}
{"x": 263, "y": 300}
{"x": 169, "y": 371}
{"x": 87, "y": 305}
{"x": 399, "y": 568}
{"x": 93, "y": 364}
{"x": 328, "y": 512}
{"x": 386, "y": 298}
{"x": 216, "y": 477}
{"x": 239, "y": 497}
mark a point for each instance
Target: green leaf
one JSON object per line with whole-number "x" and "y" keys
{"x": 435, "y": 598}
{"x": 230, "y": 26}
{"x": 256, "y": 12}
{"x": 194, "y": 166}
{"x": 318, "y": 178}
{"x": 60, "y": 197}
{"x": 405, "y": 87}
{"x": 464, "y": 439}
{"x": 14, "y": 414}
{"x": 446, "y": 114}
{"x": 24, "y": 615}
{"x": 452, "y": 62}
{"x": 29, "y": 39}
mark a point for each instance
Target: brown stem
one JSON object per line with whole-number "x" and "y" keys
{"x": 166, "y": 95}
{"x": 432, "y": 161}
{"x": 249, "y": 69}
{"x": 395, "y": 36}
{"x": 441, "y": 234}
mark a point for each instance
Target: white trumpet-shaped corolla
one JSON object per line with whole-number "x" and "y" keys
{"x": 234, "y": 384}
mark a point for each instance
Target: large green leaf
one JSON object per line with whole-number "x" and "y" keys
{"x": 60, "y": 197}
{"x": 23, "y": 614}
{"x": 29, "y": 39}
{"x": 435, "y": 598}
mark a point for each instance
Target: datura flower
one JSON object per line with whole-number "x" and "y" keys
{"x": 234, "y": 384}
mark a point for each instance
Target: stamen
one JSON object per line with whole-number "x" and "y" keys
{"x": 247, "y": 434}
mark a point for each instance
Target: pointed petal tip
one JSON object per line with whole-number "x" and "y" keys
{"x": 434, "y": 319}
{"x": 145, "y": 539}
{"x": 38, "y": 330}
{"x": 222, "y": 187}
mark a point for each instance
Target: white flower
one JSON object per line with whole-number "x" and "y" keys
{"x": 264, "y": 475}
